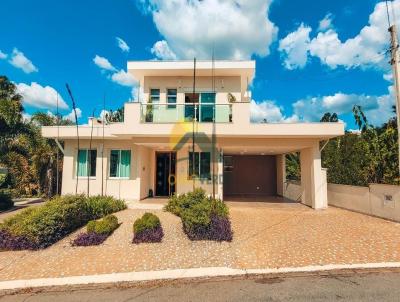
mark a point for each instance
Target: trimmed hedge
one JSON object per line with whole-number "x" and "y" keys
{"x": 147, "y": 229}
{"x": 6, "y": 201}
{"x": 203, "y": 218}
{"x": 103, "y": 227}
{"x": 40, "y": 227}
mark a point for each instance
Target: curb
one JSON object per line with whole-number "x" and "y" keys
{"x": 182, "y": 274}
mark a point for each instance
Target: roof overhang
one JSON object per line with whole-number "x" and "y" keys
{"x": 141, "y": 69}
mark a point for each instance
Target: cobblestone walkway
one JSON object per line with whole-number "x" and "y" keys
{"x": 265, "y": 236}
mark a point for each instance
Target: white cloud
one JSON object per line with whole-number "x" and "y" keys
{"x": 71, "y": 116}
{"x": 120, "y": 77}
{"x": 295, "y": 47}
{"x": 123, "y": 78}
{"x": 26, "y": 116}
{"x": 388, "y": 76}
{"x": 376, "y": 108}
{"x": 265, "y": 110}
{"x": 326, "y": 23}
{"x": 103, "y": 114}
{"x": 3, "y": 55}
{"x": 236, "y": 29}
{"x": 162, "y": 51}
{"x": 37, "y": 96}
{"x": 103, "y": 63}
{"x": 19, "y": 60}
{"x": 366, "y": 49}
{"x": 122, "y": 44}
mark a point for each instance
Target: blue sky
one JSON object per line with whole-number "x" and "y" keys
{"x": 312, "y": 56}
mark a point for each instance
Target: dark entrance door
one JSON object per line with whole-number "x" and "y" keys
{"x": 165, "y": 173}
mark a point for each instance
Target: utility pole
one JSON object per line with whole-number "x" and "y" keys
{"x": 394, "y": 61}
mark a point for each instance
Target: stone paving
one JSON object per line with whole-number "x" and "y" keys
{"x": 265, "y": 236}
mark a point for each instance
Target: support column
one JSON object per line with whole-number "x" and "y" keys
{"x": 220, "y": 175}
{"x": 280, "y": 174}
{"x": 312, "y": 187}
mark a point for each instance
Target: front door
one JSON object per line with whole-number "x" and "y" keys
{"x": 165, "y": 173}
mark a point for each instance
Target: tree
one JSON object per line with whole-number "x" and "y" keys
{"x": 29, "y": 158}
{"x": 293, "y": 166}
{"x": 116, "y": 116}
{"x": 329, "y": 118}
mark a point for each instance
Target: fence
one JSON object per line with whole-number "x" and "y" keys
{"x": 376, "y": 199}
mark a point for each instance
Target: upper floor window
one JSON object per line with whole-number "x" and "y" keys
{"x": 87, "y": 162}
{"x": 120, "y": 163}
{"x": 155, "y": 95}
{"x": 171, "y": 98}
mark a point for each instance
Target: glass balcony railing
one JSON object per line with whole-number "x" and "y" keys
{"x": 180, "y": 113}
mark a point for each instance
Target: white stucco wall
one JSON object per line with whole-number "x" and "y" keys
{"x": 120, "y": 188}
{"x": 376, "y": 200}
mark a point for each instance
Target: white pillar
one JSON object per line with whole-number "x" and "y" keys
{"x": 312, "y": 185}
{"x": 220, "y": 175}
{"x": 280, "y": 174}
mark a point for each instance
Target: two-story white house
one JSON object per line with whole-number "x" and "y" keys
{"x": 191, "y": 128}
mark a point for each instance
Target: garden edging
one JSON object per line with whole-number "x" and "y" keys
{"x": 175, "y": 274}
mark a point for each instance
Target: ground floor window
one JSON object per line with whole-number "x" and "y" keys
{"x": 120, "y": 163}
{"x": 87, "y": 162}
{"x": 201, "y": 166}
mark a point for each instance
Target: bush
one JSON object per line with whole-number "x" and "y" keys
{"x": 44, "y": 225}
{"x": 103, "y": 227}
{"x": 6, "y": 201}
{"x": 87, "y": 239}
{"x": 148, "y": 221}
{"x": 100, "y": 206}
{"x": 177, "y": 204}
{"x": 147, "y": 229}
{"x": 203, "y": 218}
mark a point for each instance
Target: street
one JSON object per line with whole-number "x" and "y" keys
{"x": 348, "y": 286}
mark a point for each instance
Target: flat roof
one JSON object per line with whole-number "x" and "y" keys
{"x": 185, "y": 68}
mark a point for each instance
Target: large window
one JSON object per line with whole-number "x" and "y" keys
{"x": 191, "y": 100}
{"x": 120, "y": 163}
{"x": 171, "y": 98}
{"x": 155, "y": 95}
{"x": 202, "y": 165}
{"x": 207, "y": 106}
{"x": 205, "y": 111}
{"x": 87, "y": 162}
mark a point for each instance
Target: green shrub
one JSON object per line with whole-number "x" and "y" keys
{"x": 202, "y": 217}
{"x": 6, "y": 201}
{"x": 100, "y": 206}
{"x": 44, "y": 225}
{"x": 148, "y": 221}
{"x": 105, "y": 226}
{"x": 177, "y": 204}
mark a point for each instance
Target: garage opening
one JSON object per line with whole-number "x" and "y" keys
{"x": 249, "y": 176}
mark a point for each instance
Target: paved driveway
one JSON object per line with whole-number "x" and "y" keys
{"x": 265, "y": 236}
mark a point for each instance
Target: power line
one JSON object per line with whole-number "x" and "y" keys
{"x": 387, "y": 12}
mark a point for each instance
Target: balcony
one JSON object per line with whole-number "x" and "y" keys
{"x": 189, "y": 112}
